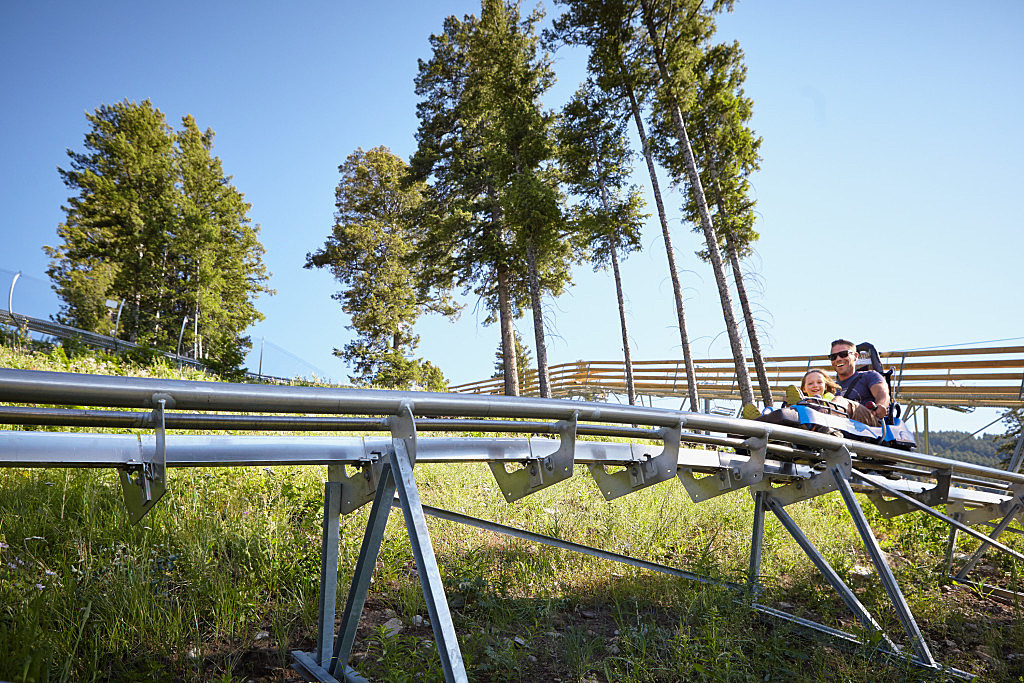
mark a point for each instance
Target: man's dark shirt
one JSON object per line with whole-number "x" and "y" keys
{"x": 857, "y": 387}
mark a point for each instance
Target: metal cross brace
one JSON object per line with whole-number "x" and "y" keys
{"x": 881, "y": 566}
{"x": 830, "y": 574}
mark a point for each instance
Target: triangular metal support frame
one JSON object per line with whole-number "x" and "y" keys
{"x": 838, "y": 471}
{"x": 331, "y": 659}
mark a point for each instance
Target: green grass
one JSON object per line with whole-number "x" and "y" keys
{"x": 220, "y": 581}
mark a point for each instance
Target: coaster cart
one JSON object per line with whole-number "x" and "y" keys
{"x": 831, "y": 416}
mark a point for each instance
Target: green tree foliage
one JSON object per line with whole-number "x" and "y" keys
{"x": 611, "y": 31}
{"x": 492, "y": 219}
{"x": 727, "y": 152}
{"x": 369, "y": 253}
{"x": 678, "y": 31}
{"x": 155, "y": 222}
{"x": 608, "y": 216}
{"x": 981, "y": 450}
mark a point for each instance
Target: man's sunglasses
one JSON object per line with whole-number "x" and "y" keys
{"x": 839, "y": 354}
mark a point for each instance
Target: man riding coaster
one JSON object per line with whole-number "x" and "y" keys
{"x": 858, "y": 405}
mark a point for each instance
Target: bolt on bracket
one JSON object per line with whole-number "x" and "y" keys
{"x": 820, "y": 484}
{"x": 937, "y": 495}
{"x": 728, "y": 478}
{"x": 359, "y": 488}
{"x": 988, "y": 513}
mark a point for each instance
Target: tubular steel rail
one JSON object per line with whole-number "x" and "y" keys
{"x": 709, "y": 454}
{"x": 969, "y": 377}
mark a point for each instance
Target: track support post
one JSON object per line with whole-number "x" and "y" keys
{"x": 889, "y": 583}
{"x": 756, "y": 545}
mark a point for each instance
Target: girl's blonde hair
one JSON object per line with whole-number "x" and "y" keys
{"x": 830, "y": 384}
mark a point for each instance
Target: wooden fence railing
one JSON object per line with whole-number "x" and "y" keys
{"x": 956, "y": 377}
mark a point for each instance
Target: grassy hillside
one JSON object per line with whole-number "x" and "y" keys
{"x": 220, "y": 582}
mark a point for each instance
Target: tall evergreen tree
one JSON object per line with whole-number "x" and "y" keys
{"x": 368, "y": 252}
{"x": 608, "y": 29}
{"x": 595, "y": 157}
{"x": 217, "y": 253}
{"x": 1010, "y": 442}
{"x": 518, "y": 144}
{"x": 155, "y": 222}
{"x": 493, "y": 216}
{"x": 726, "y": 150}
{"x": 465, "y": 241}
{"x": 676, "y": 33}
{"x": 523, "y": 360}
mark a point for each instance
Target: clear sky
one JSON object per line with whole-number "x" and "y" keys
{"x": 888, "y": 200}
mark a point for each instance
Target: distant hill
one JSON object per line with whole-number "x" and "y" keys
{"x": 980, "y": 450}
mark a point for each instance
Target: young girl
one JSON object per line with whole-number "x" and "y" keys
{"x": 817, "y": 383}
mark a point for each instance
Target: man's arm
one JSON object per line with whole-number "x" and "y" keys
{"x": 881, "y": 393}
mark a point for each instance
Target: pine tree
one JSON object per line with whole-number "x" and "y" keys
{"x": 154, "y": 222}
{"x": 726, "y": 150}
{"x": 615, "y": 62}
{"x": 523, "y": 360}
{"x": 493, "y": 220}
{"x": 595, "y": 157}
{"x": 217, "y": 252}
{"x": 676, "y": 33}
{"x": 369, "y": 253}
{"x": 1010, "y": 442}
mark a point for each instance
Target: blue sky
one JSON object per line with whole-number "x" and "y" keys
{"x": 888, "y": 198}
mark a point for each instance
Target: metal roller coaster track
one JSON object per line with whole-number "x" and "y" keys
{"x": 709, "y": 455}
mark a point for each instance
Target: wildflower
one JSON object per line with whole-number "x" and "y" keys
{"x": 50, "y": 573}
{"x": 3, "y": 545}
{"x": 40, "y": 586}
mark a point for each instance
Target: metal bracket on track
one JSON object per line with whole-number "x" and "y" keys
{"x": 359, "y": 488}
{"x": 937, "y": 495}
{"x": 818, "y": 485}
{"x": 728, "y": 478}
{"x": 539, "y": 472}
{"x": 988, "y": 513}
{"x": 644, "y": 470}
{"x": 143, "y": 483}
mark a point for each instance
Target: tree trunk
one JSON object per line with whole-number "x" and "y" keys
{"x": 741, "y": 293}
{"x": 508, "y": 342}
{"x": 748, "y": 317}
{"x": 684, "y": 339}
{"x": 137, "y": 309}
{"x": 543, "y": 382}
{"x": 630, "y": 388}
{"x": 742, "y": 376}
